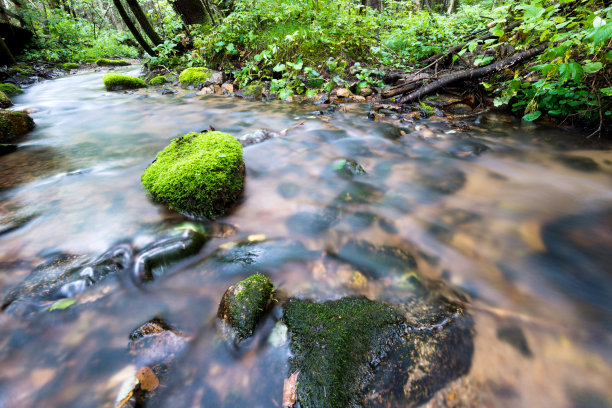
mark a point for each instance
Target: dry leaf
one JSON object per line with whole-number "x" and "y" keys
{"x": 290, "y": 391}
{"x": 147, "y": 378}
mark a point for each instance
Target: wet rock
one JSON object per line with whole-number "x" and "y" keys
{"x": 13, "y": 222}
{"x": 313, "y": 223}
{"x": 227, "y": 88}
{"x": 359, "y": 193}
{"x": 5, "y": 102}
{"x": 342, "y": 93}
{"x": 257, "y": 136}
{"x": 253, "y": 90}
{"x": 441, "y": 179}
{"x": 167, "y": 92}
{"x": 200, "y": 174}
{"x": 244, "y": 303}
{"x": 514, "y": 336}
{"x": 376, "y": 261}
{"x": 459, "y": 109}
{"x": 358, "y": 99}
{"x": 7, "y": 148}
{"x": 347, "y": 168}
{"x": 288, "y": 190}
{"x": 14, "y": 125}
{"x": 322, "y": 99}
{"x": 154, "y": 259}
{"x": 585, "y": 164}
{"x": 207, "y": 90}
{"x": 366, "y": 91}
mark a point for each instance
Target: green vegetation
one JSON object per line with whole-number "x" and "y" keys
{"x": 244, "y": 303}
{"x": 116, "y": 82}
{"x": 13, "y": 125}
{"x": 333, "y": 344}
{"x": 70, "y": 65}
{"x": 111, "y": 63}
{"x": 194, "y": 76}
{"x": 10, "y": 89}
{"x": 158, "y": 80}
{"x": 201, "y": 174}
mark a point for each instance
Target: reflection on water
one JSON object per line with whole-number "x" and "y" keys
{"x": 515, "y": 217}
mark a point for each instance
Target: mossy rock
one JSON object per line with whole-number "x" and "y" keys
{"x": 14, "y": 124}
{"x": 70, "y": 65}
{"x": 117, "y": 82}
{"x": 90, "y": 60}
{"x": 5, "y": 102}
{"x": 105, "y": 62}
{"x": 201, "y": 174}
{"x": 253, "y": 90}
{"x": 10, "y": 89}
{"x": 195, "y": 76}
{"x": 334, "y": 343}
{"x": 158, "y": 80}
{"x": 244, "y": 303}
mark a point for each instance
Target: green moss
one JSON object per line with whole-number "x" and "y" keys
{"x": 252, "y": 90}
{"x": 90, "y": 60}
{"x": 201, "y": 174}
{"x": 114, "y": 82}
{"x": 10, "y": 89}
{"x": 111, "y": 63}
{"x": 70, "y": 65}
{"x": 5, "y": 102}
{"x": 335, "y": 344}
{"x": 158, "y": 80}
{"x": 13, "y": 125}
{"x": 23, "y": 71}
{"x": 244, "y": 303}
{"x": 194, "y": 76}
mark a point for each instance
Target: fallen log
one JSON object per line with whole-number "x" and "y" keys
{"x": 475, "y": 73}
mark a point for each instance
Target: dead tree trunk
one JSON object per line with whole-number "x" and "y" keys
{"x": 132, "y": 28}
{"x": 191, "y": 11}
{"x": 144, "y": 21}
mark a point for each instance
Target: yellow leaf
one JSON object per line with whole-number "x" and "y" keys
{"x": 147, "y": 378}
{"x": 290, "y": 391}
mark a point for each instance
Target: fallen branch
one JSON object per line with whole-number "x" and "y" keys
{"x": 475, "y": 73}
{"x": 414, "y": 83}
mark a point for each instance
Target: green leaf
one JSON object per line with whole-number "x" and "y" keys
{"x": 339, "y": 164}
{"x": 285, "y": 93}
{"x": 279, "y": 67}
{"x": 606, "y": 91}
{"x": 496, "y": 31}
{"x": 570, "y": 70}
{"x": 62, "y": 304}
{"x": 600, "y": 34}
{"x": 472, "y": 46}
{"x": 533, "y": 12}
{"x": 311, "y": 92}
{"x": 530, "y": 117}
{"x": 591, "y": 67}
{"x": 609, "y": 56}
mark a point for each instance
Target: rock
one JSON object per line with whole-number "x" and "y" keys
{"x": 459, "y": 109}
{"x": 376, "y": 261}
{"x": 366, "y": 91}
{"x": 200, "y": 76}
{"x": 70, "y": 65}
{"x": 227, "y": 88}
{"x": 167, "y": 92}
{"x": 322, "y": 99}
{"x": 201, "y": 174}
{"x": 254, "y": 90}
{"x": 155, "y": 342}
{"x": 13, "y": 125}
{"x": 441, "y": 179}
{"x": 313, "y": 223}
{"x": 585, "y": 164}
{"x": 158, "y": 80}
{"x": 347, "y": 168}
{"x": 207, "y": 90}
{"x": 154, "y": 258}
{"x": 257, "y": 136}
{"x": 342, "y": 93}
{"x": 244, "y": 303}
{"x": 117, "y": 82}
{"x": 104, "y": 62}
{"x": 358, "y": 99}
{"x": 5, "y": 102}
{"x": 7, "y": 148}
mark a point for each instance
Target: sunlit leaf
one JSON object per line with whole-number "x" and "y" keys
{"x": 62, "y": 304}
{"x": 591, "y": 67}
{"x": 530, "y": 117}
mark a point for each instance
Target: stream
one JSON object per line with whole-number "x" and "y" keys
{"x": 515, "y": 218}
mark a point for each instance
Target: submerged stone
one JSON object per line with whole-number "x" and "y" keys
{"x": 244, "y": 303}
{"x": 201, "y": 174}
{"x": 13, "y": 125}
{"x": 117, "y": 82}
{"x": 585, "y": 164}
{"x": 376, "y": 261}
{"x": 347, "y": 168}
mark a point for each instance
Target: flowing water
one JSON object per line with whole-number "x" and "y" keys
{"x": 517, "y": 218}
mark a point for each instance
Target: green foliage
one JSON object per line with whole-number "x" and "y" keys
{"x": 115, "y": 82}
{"x": 201, "y": 174}
{"x": 10, "y": 89}
{"x": 194, "y": 76}
{"x": 158, "y": 80}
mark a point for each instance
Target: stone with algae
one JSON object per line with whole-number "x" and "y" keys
{"x": 117, "y": 82}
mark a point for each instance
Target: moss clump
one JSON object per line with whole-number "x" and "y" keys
{"x": 115, "y": 82}
{"x": 244, "y": 303}
{"x": 70, "y": 65}
{"x": 105, "y": 62}
{"x": 253, "y": 90}
{"x": 158, "y": 80}
{"x": 194, "y": 76}
{"x": 13, "y": 125}
{"x": 10, "y": 89}
{"x": 335, "y": 344}
{"x": 5, "y": 102}
{"x": 201, "y": 174}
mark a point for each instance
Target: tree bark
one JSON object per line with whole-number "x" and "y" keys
{"x": 6, "y": 56}
{"x": 191, "y": 11}
{"x": 144, "y": 21}
{"x": 132, "y": 28}
{"x": 475, "y": 73}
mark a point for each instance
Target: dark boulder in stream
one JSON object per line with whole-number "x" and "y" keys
{"x": 13, "y": 125}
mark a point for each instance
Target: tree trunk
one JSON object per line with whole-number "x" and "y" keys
{"x": 6, "y": 56}
{"x": 191, "y": 11}
{"x": 144, "y": 21}
{"x": 132, "y": 28}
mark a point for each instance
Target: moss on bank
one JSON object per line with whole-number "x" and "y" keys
{"x": 194, "y": 76}
{"x": 105, "y": 62}
{"x": 10, "y": 89}
{"x": 5, "y": 102}
{"x": 13, "y": 125}
{"x": 334, "y": 344}
{"x": 115, "y": 82}
{"x": 70, "y": 65}
{"x": 201, "y": 174}
{"x": 158, "y": 80}
{"x": 244, "y": 303}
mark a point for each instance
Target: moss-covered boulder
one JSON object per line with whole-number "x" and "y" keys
{"x": 254, "y": 90}
{"x": 244, "y": 303}
{"x": 158, "y": 80}
{"x": 200, "y": 76}
{"x": 201, "y": 174}
{"x": 13, "y": 125}
{"x": 105, "y": 62}
{"x": 10, "y": 89}
{"x": 117, "y": 82}
{"x": 5, "y": 102}
{"x": 70, "y": 65}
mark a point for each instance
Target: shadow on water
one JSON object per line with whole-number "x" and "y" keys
{"x": 493, "y": 243}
